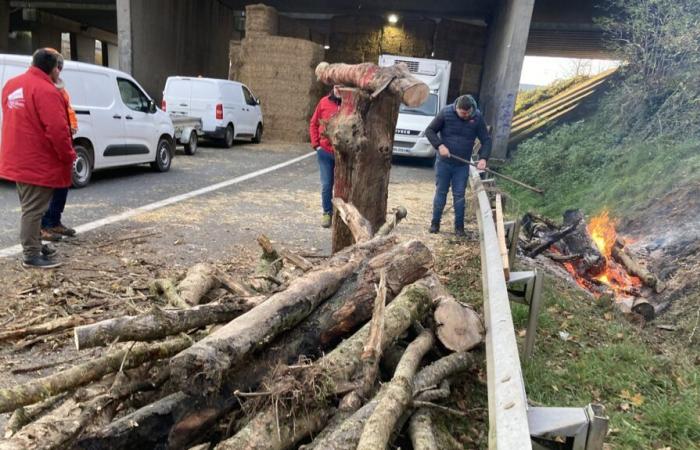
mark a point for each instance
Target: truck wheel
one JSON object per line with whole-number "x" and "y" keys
{"x": 191, "y": 146}
{"x": 82, "y": 167}
{"x": 228, "y": 136}
{"x": 258, "y": 135}
{"x": 164, "y": 156}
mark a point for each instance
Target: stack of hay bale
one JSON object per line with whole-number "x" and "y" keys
{"x": 280, "y": 72}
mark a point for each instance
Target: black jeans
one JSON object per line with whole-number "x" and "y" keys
{"x": 52, "y": 216}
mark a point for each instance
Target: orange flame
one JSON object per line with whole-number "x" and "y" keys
{"x": 603, "y": 233}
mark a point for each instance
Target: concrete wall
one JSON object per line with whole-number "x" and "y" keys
{"x": 362, "y": 38}
{"x": 4, "y": 25}
{"x": 85, "y": 49}
{"x": 174, "y": 37}
{"x": 503, "y": 64}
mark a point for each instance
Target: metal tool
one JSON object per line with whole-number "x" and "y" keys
{"x": 511, "y": 179}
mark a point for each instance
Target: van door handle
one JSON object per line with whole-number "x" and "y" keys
{"x": 116, "y": 116}
{"x": 183, "y": 104}
{"x": 129, "y": 118}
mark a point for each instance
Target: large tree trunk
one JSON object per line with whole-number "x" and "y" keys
{"x": 362, "y": 134}
{"x": 201, "y": 368}
{"x": 410, "y": 306}
{"x": 157, "y": 324}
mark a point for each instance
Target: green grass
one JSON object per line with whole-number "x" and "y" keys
{"x": 651, "y": 389}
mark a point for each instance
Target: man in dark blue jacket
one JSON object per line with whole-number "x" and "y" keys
{"x": 453, "y": 132}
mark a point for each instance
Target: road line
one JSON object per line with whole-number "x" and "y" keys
{"x": 15, "y": 249}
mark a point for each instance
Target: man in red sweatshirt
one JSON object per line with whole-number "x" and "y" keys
{"x": 36, "y": 150}
{"x": 327, "y": 107}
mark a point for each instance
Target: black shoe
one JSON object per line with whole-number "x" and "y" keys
{"x": 459, "y": 232}
{"x": 48, "y": 251}
{"x": 434, "y": 227}
{"x": 40, "y": 262}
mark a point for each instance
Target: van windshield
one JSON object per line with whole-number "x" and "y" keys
{"x": 427, "y": 108}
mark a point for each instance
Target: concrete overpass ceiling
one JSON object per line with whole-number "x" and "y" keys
{"x": 99, "y": 14}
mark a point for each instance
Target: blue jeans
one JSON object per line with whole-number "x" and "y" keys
{"x": 445, "y": 175}
{"x": 52, "y": 216}
{"x": 326, "y": 164}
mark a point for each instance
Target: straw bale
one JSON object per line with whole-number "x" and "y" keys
{"x": 261, "y": 19}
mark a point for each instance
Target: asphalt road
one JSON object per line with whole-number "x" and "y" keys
{"x": 117, "y": 190}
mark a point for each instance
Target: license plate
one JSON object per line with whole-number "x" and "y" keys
{"x": 402, "y": 150}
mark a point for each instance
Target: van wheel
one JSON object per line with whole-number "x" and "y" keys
{"x": 82, "y": 167}
{"x": 228, "y": 136}
{"x": 258, "y": 135}
{"x": 191, "y": 146}
{"x": 164, "y": 156}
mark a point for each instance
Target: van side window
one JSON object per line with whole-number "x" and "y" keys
{"x": 249, "y": 99}
{"x": 132, "y": 96}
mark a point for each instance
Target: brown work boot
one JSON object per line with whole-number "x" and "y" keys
{"x": 62, "y": 230}
{"x": 47, "y": 235}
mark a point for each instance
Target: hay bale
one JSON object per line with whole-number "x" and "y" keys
{"x": 261, "y": 19}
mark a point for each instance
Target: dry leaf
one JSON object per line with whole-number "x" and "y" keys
{"x": 624, "y": 406}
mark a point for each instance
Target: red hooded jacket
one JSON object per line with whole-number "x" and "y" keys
{"x": 36, "y": 143}
{"x": 326, "y": 109}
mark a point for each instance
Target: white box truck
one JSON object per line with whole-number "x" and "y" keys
{"x": 409, "y": 139}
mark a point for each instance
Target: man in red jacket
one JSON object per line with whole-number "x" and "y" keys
{"x": 327, "y": 107}
{"x": 36, "y": 150}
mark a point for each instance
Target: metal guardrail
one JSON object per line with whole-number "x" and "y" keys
{"x": 512, "y": 424}
{"x": 508, "y": 422}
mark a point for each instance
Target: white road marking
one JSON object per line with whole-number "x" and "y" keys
{"x": 16, "y": 249}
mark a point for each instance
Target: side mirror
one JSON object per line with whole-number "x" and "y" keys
{"x": 152, "y": 107}
{"x": 257, "y": 101}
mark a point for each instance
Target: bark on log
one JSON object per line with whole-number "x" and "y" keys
{"x": 360, "y": 228}
{"x": 372, "y": 352}
{"x": 420, "y": 429}
{"x": 340, "y": 315}
{"x": 347, "y": 435}
{"x": 268, "y": 266}
{"x": 165, "y": 288}
{"x": 200, "y": 369}
{"x": 234, "y": 285}
{"x": 362, "y": 134}
{"x": 397, "y": 215}
{"x": 25, "y": 415}
{"x": 459, "y": 327}
{"x": 157, "y": 324}
{"x": 592, "y": 262}
{"x": 411, "y": 305}
{"x": 368, "y": 76}
{"x": 41, "y": 388}
{"x": 62, "y": 323}
{"x": 633, "y": 267}
{"x": 289, "y": 432}
{"x": 199, "y": 280}
{"x": 398, "y": 396}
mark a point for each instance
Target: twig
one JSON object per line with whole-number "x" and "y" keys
{"x": 126, "y": 355}
{"x": 41, "y": 366}
{"x": 421, "y": 404}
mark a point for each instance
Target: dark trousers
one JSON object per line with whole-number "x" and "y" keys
{"x": 34, "y": 200}
{"x": 447, "y": 175}
{"x": 326, "y": 164}
{"x": 52, "y": 217}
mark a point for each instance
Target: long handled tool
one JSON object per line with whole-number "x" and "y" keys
{"x": 511, "y": 179}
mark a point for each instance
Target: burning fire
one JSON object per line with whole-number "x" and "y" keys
{"x": 603, "y": 233}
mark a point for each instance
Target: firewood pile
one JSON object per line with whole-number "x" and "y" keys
{"x": 304, "y": 353}
{"x": 593, "y": 254}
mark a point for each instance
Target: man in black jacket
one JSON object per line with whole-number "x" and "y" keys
{"x": 453, "y": 132}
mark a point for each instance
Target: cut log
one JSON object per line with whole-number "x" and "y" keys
{"x": 199, "y": 280}
{"x": 370, "y": 77}
{"x": 459, "y": 327}
{"x": 592, "y": 262}
{"x": 165, "y": 288}
{"x": 264, "y": 278}
{"x": 398, "y": 396}
{"x": 360, "y": 227}
{"x": 157, "y": 324}
{"x": 420, "y": 429}
{"x": 41, "y": 388}
{"x": 410, "y": 306}
{"x": 25, "y": 415}
{"x": 362, "y": 134}
{"x": 62, "y": 323}
{"x": 397, "y": 215}
{"x": 633, "y": 267}
{"x": 347, "y": 434}
{"x": 372, "y": 352}
{"x": 340, "y": 315}
{"x": 201, "y": 368}
{"x": 234, "y": 285}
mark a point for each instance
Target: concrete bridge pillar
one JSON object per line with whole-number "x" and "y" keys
{"x": 505, "y": 52}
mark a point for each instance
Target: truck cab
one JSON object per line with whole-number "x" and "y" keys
{"x": 409, "y": 137}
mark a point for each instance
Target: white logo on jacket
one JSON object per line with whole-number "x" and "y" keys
{"x": 16, "y": 99}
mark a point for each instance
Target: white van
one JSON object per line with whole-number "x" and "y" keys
{"x": 118, "y": 123}
{"x": 228, "y": 109}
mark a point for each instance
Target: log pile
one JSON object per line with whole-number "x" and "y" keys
{"x": 288, "y": 363}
